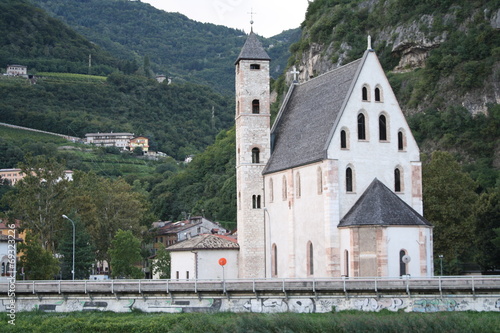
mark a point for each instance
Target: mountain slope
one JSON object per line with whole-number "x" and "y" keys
{"x": 173, "y": 44}
{"x": 32, "y": 38}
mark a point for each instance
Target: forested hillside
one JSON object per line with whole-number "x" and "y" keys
{"x": 167, "y": 43}
{"x": 30, "y": 37}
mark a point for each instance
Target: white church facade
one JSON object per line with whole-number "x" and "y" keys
{"x": 334, "y": 188}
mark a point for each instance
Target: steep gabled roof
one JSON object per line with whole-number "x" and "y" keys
{"x": 306, "y": 121}
{"x": 253, "y": 50}
{"x": 378, "y": 205}
{"x": 206, "y": 242}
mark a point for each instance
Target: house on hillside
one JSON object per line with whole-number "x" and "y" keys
{"x": 119, "y": 140}
{"x": 17, "y": 70}
{"x": 200, "y": 258}
{"x": 334, "y": 188}
{"x": 139, "y": 141}
{"x": 15, "y": 175}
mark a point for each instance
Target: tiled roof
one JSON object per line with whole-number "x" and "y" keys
{"x": 378, "y": 205}
{"x": 307, "y": 119}
{"x": 207, "y": 242}
{"x": 253, "y": 50}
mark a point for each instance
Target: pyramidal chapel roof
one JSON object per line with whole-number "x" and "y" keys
{"x": 253, "y": 50}
{"x": 380, "y": 206}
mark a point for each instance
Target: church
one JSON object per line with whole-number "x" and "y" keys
{"x": 334, "y": 187}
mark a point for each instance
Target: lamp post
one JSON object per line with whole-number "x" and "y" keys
{"x": 73, "y": 223}
{"x": 441, "y": 263}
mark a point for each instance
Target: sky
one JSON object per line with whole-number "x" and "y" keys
{"x": 270, "y": 17}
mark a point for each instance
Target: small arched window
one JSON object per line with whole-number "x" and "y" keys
{"x": 284, "y": 189}
{"x": 364, "y": 93}
{"x": 310, "y": 258}
{"x": 271, "y": 190}
{"x": 254, "y": 66}
{"x": 298, "y": 190}
{"x": 239, "y": 200}
{"x": 274, "y": 260}
{"x": 397, "y": 180}
{"x": 403, "y": 267}
{"x": 255, "y": 155}
{"x": 255, "y": 106}
{"x": 256, "y": 201}
{"x": 343, "y": 139}
{"x": 319, "y": 175}
{"x": 348, "y": 180}
{"x": 382, "y": 128}
{"x": 401, "y": 141}
{"x": 346, "y": 263}
{"x": 378, "y": 97}
{"x": 361, "y": 127}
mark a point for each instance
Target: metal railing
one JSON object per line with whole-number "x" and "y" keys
{"x": 351, "y": 285}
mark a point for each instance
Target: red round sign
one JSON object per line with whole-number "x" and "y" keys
{"x": 222, "y": 261}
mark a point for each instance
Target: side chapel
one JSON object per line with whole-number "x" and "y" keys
{"x": 334, "y": 188}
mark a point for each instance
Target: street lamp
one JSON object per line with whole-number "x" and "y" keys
{"x": 441, "y": 263}
{"x": 73, "y": 223}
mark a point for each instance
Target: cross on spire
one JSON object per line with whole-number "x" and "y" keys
{"x": 294, "y": 72}
{"x": 251, "y": 18}
{"x": 369, "y": 43}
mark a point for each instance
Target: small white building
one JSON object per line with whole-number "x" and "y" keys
{"x": 200, "y": 257}
{"x": 17, "y": 70}
{"x": 8, "y": 256}
{"x": 120, "y": 140}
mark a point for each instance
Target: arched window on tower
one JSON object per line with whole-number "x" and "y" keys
{"x": 256, "y": 201}
{"x": 255, "y": 106}
{"x": 274, "y": 261}
{"x": 255, "y": 155}
{"x": 348, "y": 180}
{"x": 382, "y": 128}
{"x": 397, "y": 180}
{"x": 310, "y": 258}
{"x": 361, "y": 127}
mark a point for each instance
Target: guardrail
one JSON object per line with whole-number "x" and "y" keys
{"x": 407, "y": 285}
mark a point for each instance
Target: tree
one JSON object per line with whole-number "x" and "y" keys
{"x": 105, "y": 206}
{"x": 39, "y": 199}
{"x": 449, "y": 204}
{"x": 161, "y": 263}
{"x": 36, "y": 262}
{"x": 84, "y": 252}
{"x": 487, "y": 231}
{"x": 125, "y": 251}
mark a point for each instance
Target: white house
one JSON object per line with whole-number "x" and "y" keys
{"x": 200, "y": 258}
{"x": 335, "y": 187}
{"x": 17, "y": 70}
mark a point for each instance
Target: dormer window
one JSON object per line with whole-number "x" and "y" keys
{"x": 254, "y": 66}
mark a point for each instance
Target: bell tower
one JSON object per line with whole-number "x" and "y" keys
{"x": 252, "y": 153}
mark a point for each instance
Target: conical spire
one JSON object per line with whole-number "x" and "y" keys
{"x": 253, "y": 50}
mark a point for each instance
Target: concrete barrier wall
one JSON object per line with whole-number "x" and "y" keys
{"x": 270, "y": 304}
{"x": 261, "y": 296}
